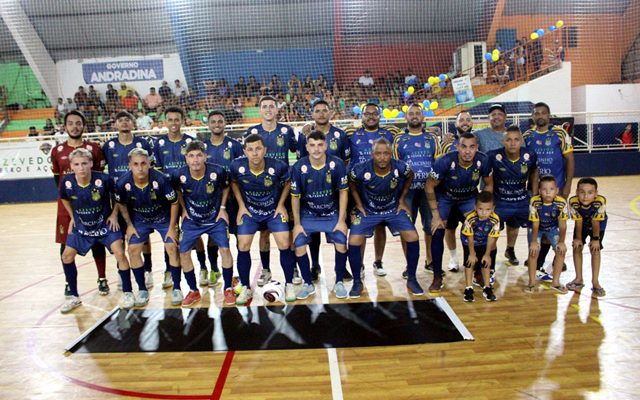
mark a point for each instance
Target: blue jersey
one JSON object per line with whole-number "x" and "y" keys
{"x": 202, "y": 197}
{"x": 170, "y": 155}
{"x": 510, "y": 177}
{"x": 224, "y": 153}
{"x": 260, "y": 190}
{"x": 150, "y": 204}
{"x": 319, "y": 189}
{"x": 595, "y": 211}
{"x": 360, "y": 141}
{"x": 279, "y": 141}
{"x": 419, "y": 151}
{"x": 91, "y": 204}
{"x": 549, "y": 214}
{"x": 116, "y": 155}
{"x": 550, "y": 147}
{"x": 459, "y": 183}
{"x": 481, "y": 230}
{"x": 380, "y": 194}
{"x": 337, "y": 144}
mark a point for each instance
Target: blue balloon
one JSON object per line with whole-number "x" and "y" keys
{"x": 400, "y": 114}
{"x": 540, "y": 32}
{"x": 425, "y": 113}
{"x": 427, "y": 86}
{"x": 406, "y": 94}
{"x": 356, "y": 110}
{"x": 426, "y": 104}
{"x": 442, "y": 77}
{"x": 488, "y": 56}
{"x": 443, "y": 84}
{"x": 430, "y": 113}
{"x": 552, "y": 28}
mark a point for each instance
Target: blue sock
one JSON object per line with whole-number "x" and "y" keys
{"x": 126, "y": 280}
{"x": 202, "y": 259}
{"x": 265, "y": 259}
{"x": 147, "y": 262}
{"x": 413, "y": 254}
{"x": 244, "y": 267}
{"x": 227, "y": 276}
{"x": 175, "y": 276}
{"x": 166, "y": 261}
{"x": 288, "y": 263}
{"x": 314, "y": 249}
{"x": 341, "y": 265}
{"x": 138, "y": 274}
{"x": 437, "y": 249}
{"x": 355, "y": 261}
{"x": 212, "y": 253}
{"x": 190, "y": 277}
{"x": 305, "y": 269}
{"x": 71, "y": 276}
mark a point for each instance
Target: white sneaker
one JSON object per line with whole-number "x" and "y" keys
{"x": 71, "y": 303}
{"x": 142, "y": 299}
{"x": 128, "y": 300}
{"x": 245, "y": 296}
{"x": 204, "y": 277}
{"x": 296, "y": 277}
{"x": 148, "y": 279}
{"x": 265, "y": 277}
{"x": 289, "y": 292}
{"x": 176, "y": 297}
{"x": 168, "y": 281}
{"x": 453, "y": 265}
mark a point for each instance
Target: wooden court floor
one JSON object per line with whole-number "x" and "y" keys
{"x": 540, "y": 346}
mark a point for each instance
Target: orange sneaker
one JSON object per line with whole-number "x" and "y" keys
{"x": 192, "y": 297}
{"x": 229, "y": 297}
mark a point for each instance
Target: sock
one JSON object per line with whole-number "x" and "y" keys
{"x": 227, "y": 276}
{"x": 544, "y": 251}
{"x": 71, "y": 275}
{"x": 355, "y": 261}
{"x": 100, "y": 257}
{"x": 244, "y": 267}
{"x": 314, "y": 249}
{"x": 166, "y": 261}
{"x": 341, "y": 265}
{"x": 288, "y": 263}
{"x": 202, "y": 259}
{"x": 212, "y": 253}
{"x": 190, "y": 277}
{"x": 147, "y": 262}
{"x": 437, "y": 249}
{"x": 413, "y": 254}
{"x": 265, "y": 259}
{"x": 126, "y": 280}
{"x": 305, "y": 269}
{"x": 138, "y": 274}
{"x": 175, "y": 276}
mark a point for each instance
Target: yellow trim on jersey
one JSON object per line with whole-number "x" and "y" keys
{"x": 141, "y": 187}
{"x": 318, "y": 169}
{"x": 382, "y": 176}
{"x": 256, "y": 174}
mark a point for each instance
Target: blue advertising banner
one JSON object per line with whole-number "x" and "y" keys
{"x": 123, "y": 71}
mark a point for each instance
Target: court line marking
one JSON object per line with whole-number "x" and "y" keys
{"x": 633, "y": 204}
{"x": 222, "y": 376}
{"x": 444, "y": 305}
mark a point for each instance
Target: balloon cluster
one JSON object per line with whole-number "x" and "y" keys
{"x": 538, "y": 33}
{"x": 493, "y": 56}
{"x": 428, "y": 108}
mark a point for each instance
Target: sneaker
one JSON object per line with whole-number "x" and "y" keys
{"x": 214, "y": 278}
{"x": 142, "y": 299}
{"x": 347, "y": 276}
{"x": 229, "y": 297}
{"x": 148, "y": 279}
{"x": 356, "y": 289}
{"x": 510, "y": 255}
{"x": 296, "y": 277}
{"x": 428, "y": 266}
{"x": 289, "y": 292}
{"x": 103, "y": 287}
{"x": 468, "y": 295}
{"x": 340, "y": 290}
{"x": 414, "y": 287}
{"x": 405, "y": 274}
{"x": 492, "y": 278}
{"x": 176, "y": 297}
{"x": 204, "y": 278}
{"x": 71, "y": 303}
{"x": 544, "y": 277}
{"x": 436, "y": 285}
{"x": 168, "y": 281}
{"x": 315, "y": 273}
{"x": 245, "y": 296}
{"x": 453, "y": 265}
{"x": 305, "y": 291}
{"x": 127, "y": 301}
{"x": 379, "y": 269}
{"x": 488, "y": 294}
{"x": 192, "y": 298}
{"x": 265, "y": 276}
{"x": 67, "y": 291}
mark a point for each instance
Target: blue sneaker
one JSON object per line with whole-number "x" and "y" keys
{"x": 414, "y": 287}
{"x": 544, "y": 277}
{"x": 356, "y": 289}
{"x": 305, "y": 291}
{"x": 142, "y": 299}
{"x": 340, "y": 290}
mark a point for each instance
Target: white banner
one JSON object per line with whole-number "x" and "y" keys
{"x": 26, "y": 160}
{"x": 463, "y": 90}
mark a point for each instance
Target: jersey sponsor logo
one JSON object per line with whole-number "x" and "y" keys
{"x": 283, "y": 130}
{"x": 99, "y": 182}
{"x": 367, "y": 176}
{"x": 154, "y": 185}
{"x": 139, "y": 145}
{"x": 332, "y": 164}
{"x": 241, "y": 170}
{"x": 271, "y": 171}
{"x": 336, "y": 134}
{"x": 396, "y": 173}
{"x": 303, "y": 169}
{"x": 161, "y": 142}
{"x": 498, "y": 157}
{"x": 68, "y": 184}
{"x": 213, "y": 176}
{"x": 526, "y": 156}
{"x": 127, "y": 187}
{"x": 183, "y": 178}
{"x": 112, "y": 145}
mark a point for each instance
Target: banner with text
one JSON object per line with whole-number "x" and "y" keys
{"x": 26, "y": 160}
{"x": 123, "y": 71}
{"x": 463, "y": 90}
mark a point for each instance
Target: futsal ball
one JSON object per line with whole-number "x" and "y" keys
{"x": 273, "y": 291}
{"x": 237, "y": 286}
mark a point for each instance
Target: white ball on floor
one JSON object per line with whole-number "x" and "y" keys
{"x": 273, "y": 291}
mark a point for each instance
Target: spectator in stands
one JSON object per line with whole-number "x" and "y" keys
{"x": 94, "y": 98}
{"x": 536, "y": 55}
{"x": 61, "y": 110}
{"x": 111, "y": 94}
{"x": 520, "y": 59}
{"x": 49, "y": 128}
{"x": 366, "y": 81}
{"x": 166, "y": 93}
{"x": 179, "y": 88}
{"x": 253, "y": 88}
{"x": 276, "y": 84}
{"x": 626, "y": 137}
{"x": 240, "y": 88}
{"x": 80, "y": 98}
{"x": 223, "y": 89}
{"x": 143, "y": 121}
{"x": 321, "y": 83}
{"x": 555, "y": 55}
{"x": 124, "y": 89}
{"x": 307, "y": 85}
{"x": 130, "y": 101}
{"x": 501, "y": 73}
{"x": 188, "y": 101}
{"x": 294, "y": 85}
{"x": 410, "y": 79}
{"x": 152, "y": 102}
{"x": 70, "y": 104}
{"x": 33, "y": 132}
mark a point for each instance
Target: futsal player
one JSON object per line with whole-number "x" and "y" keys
{"x": 319, "y": 199}
{"x": 379, "y": 187}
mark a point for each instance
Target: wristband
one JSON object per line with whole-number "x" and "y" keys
{"x": 595, "y": 238}
{"x": 223, "y": 207}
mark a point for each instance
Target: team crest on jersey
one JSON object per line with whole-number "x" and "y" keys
{"x": 524, "y": 168}
{"x": 188, "y": 140}
{"x": 283, "y": 130}
{"x": 476, "y": 175}
{"x": 356, "y": 220}
{"x": 328, "y": 178}
{"x": 267, "y": 181}
{"x": 68, "y": 184}
{"x": 280, "y": 140}
{"x": 333, "y": 145}
{"x": 213, "y": 176}
{"x": 336, "y": 135}
{"x": 95, "y": 195}
{"x": 479, "y": 163}
{"x": 112, "y": 145}
{"x": 183, "y": 150}
{"x": 210, "y": 187}
{"x": 161, "y": 142}
{"x": 526, "y": 156}
{"x": 547, "y": 142}
{"x": 60, "y": 148}
{"x": 127, "y": 187}
{"x": 453, "y": 165}
{"x": 332, "y": 165}
{"x": 227, "y": 153}
{"x": 254, "y": 130}
{"x": 153, "y": 195}
{"x": 367, "y": 176}
{"x": 98, "y": 182}
{"x": 155, "y": 185}
{"x": 394, "y": 183}
{"x": 303, "y": 169}
{"x": 183, "y": 178}
{"x": 498, "y": 157}
{"x": 241, "y": 170}
{"x": 139, "y": 145}
{"x": 271, "y": 171}
{"x": 396, "y": 173}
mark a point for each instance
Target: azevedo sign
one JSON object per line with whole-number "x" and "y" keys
{"x": 26, "y": 160}
{"x": 123, "y": 71}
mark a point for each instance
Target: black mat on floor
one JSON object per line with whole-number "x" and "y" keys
{"x": 273, "y": 327}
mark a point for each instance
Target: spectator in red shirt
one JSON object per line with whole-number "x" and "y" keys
{"x": 626, "y": 137}
{"x": 130, "y": 102}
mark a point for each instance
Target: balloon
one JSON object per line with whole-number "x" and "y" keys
{"x": 433, "y": 105}
{"x": 411, "y": 89}
{"x": 443, "y": 84}
{"x": 487, "y": 56}
{"x": 534, "y": 36}
{"x": 430, "y": 113}
{"x": 436, "y": 79}
{"x": 425, "y": 113}
{"x": 356, "y": 110}
{"x": 427, "y": 86}
{"x": 406, "y": 93}
{"x": 386, "y": 113}
{"x": 552, "y": 28}
{"x": 421, "y": 105}
{"x": 495, "y": 57}
{"x": 400, "y": 114}
{"x": 495, "y": 52}
{"x": 540, "y": 32}
{"x": 559, "y": 24}
{"x": 432, "y": 81}
{"x": 426, "y": 103}
{"x": 442, "y": 77}
{"x": 395, "y": 113}
{"x": 405, "y": 108}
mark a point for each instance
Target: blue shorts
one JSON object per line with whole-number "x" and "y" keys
{"x": 145, "y": 229}
{"x": 82, "y": 244}
{"x": 514, "y": 215}
{"x": 417, "y": 201}
{"x": 397, "y": 223}
{"x": 553, "y": 236}
{"x": 447, "y": 208}
{"x": 251, "y": 225}
{"x": 192, "y": 231}
{"x": 319, "y": 224}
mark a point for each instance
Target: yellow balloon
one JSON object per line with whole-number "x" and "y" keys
{"x": 560, "y": 24}
{"x": 405, "y": 108}
{"x": 496, "y": 51}
{"x": 534, "y": 36}
{"x": 433, "y": 105}
{"x": 395, "y": 113}
{"x": 421, "y": 106}
{"x": 386, "y": 113}
{"x": 411, "y": 90}
{"x": 436, "y": 80}
{"x": 495, "y": 57}
{"x": 431, "y": 81}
